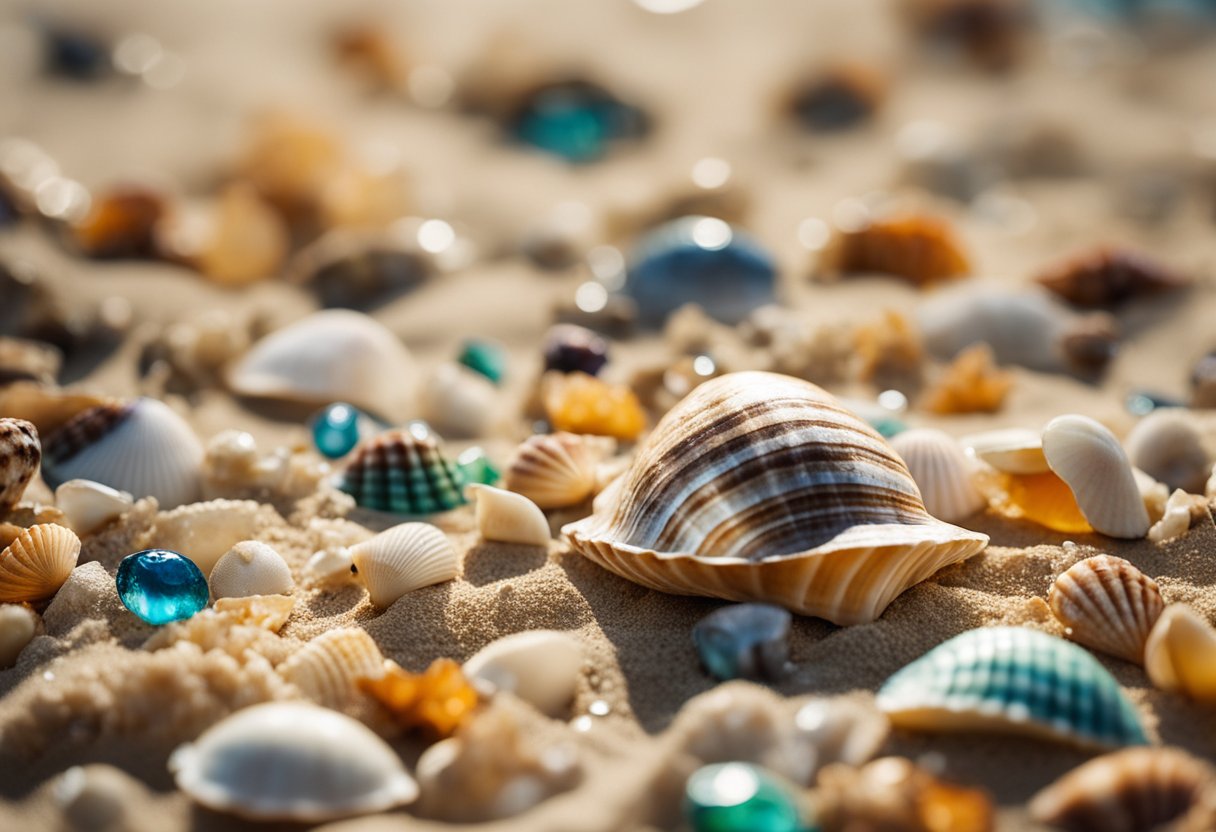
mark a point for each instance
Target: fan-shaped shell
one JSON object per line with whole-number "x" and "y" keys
{"x": 20, "y": 455}
{"x": 292, "y": 761}
{"x": 554, "y": 470}
{"x": 1166, "y": 445}
{"x": 36, "y": 564}
{"x": 507, "y": 517}
{"x": 88, "y": 505}
{"x": 403, "y": 472}
{"x": 402, "y": 559}
{"x": 941, "y": 471}
{"x": 141, "y": 447}
{"x": 1090, "y": 460}
{"x": 1012, "y": 450}
{"x": 327, "y": 670}
{"x": 539, "y": 666}
{"x": 1181, "y": 654}
{"x": 1013, "y": 680}
{"x": 1107, "y": 604}
{"x": 761, "y": 487}
{"x": 250, "y": 568}
{"x": 204, "y": 532}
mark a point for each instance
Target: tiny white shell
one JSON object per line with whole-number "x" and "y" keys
{"x": 17, "y": 626}
{"x": 1166, "y": 445}
{"x": 1012, "y": 450}
{"x": 327, "y": 670}
{"x": 292, "y": 761}
{"x": 555, "y": 470}
{"x": 1090, "y": 460}
{"x": 250, "y": 568}
{"x": 941, "y": 471}
{"x": 459, "y": 402}
{"x": 204, "y": 532}
{"x": 1180, "y": 511}
{"x": 507, "y": 517}
{"x": 401, "y": 559}
{"x": 1181, "y": 654}
{"x": 328, "y": 567}
{"x": 88, "y": 505}
{"x": 539, "y": 666}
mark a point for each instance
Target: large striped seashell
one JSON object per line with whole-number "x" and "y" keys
{"x": 250, "y": 568}
{"x": 541, "y": 667}
{"x": 332, "y": 356}
{"x": 403, "y": 472}
{"x": 88, "y": 505}
{"x": 941, "y": 471}
{"x": 402, "y": 559}
{"x": 327, "y": 670}
{"x": 507, "y": 517}
{"x": 1167, "y": 445}
{"x": 555, "y": 470}
{"x": 20, "y": 455}
{"x": 1180, "y": 654}
{"x": 141, "y": 447}
{"x": 1012, "y": 680}
{"x": 1107, "y": 604}
{"x": 36, "y": 564}
{"x": 1090, "y": 460}
{"x": 761, "y": 487}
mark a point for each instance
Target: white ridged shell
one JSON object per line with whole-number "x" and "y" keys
{"x": 402, "y": 559}
{"x": 204, "y": 532}
{"x": 459, "y": 402}
{"x": 17, "y": 627}
{"x": 554, "y": 470}
{"x": 1181, "y": 654}
{"x": 539, "y": 666}
{"x": 941, "y": 470}
{"x": 88, "y": 505}
{"x": 36, "y": 564}
{"x": 1090, "y": 460}
{"x": 327, "y": 670}
{"x": 292, "y": 761}
{"x": 1012, "y": 450}
{"x": 1166, "y": 445}
{"x": 250, "y": 568}
{"x": 507, "y": 517}
{"x": 329, "y": 356}
{"x": 1107, "y": 604}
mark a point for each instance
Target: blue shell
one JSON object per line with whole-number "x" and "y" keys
{"x": 1013, "y": 679}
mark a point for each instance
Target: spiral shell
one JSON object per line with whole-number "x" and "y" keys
{"x": 1107, "y": 604}
{"x": 36, "y": 564}
{"x": 1180, "y": 654}
{"x": 541, "y": 667}
{"x": 554, "y": 470}
{"x": 1166, "y": 445}
{"x": 941, "y": 471}
{"x": 250, "y": 568}
{"x": 327, "y": 670}
{"x": 20, "y": 455}
{"x": 401, "y": 559}
{"x": 88, "y": 505}
{"x": 1090, "y": 460}
{"x": 507, "y": 517}
{"x": 761, "y": 487}
{"x": 403, "y": 472}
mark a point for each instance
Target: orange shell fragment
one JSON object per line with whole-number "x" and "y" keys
{"x": 438, "y": 701}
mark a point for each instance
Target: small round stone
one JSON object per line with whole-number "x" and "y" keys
{"x": 335, "y": 430}
{"x": 485, "y": 358}
{"x": 1142, "y": 403}
{"x": 161, "y": 586}
{"x": 477, "y": 468}
{"x": 739, "y": 797}
{"x": 748, "y": 641}
{"x": 575, "y": 349}
{"x": 576, "y": 121}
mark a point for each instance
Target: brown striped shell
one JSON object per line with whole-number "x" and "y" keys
{"x": 762, "y": 487}
{"x": 20, "y": 456}
{"x": 554, "y": 470}
{"x": 327, "y": 670}
{"x": 36, "y": 564}
{"x": 1107, "y": 604}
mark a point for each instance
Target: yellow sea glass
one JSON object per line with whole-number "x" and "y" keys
{"x": 438, "y": 700}
{"x": 579, "y": 403}
{"x": 1045, "y": 499}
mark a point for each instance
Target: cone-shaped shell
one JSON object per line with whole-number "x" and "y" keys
{"x": 327, "y": 670}
{"x": 507, "y": 517}
{"x": 402, "y": 559}
{"x": 1107, "y": 604}
{"x": 941, "y": 471}
{"x": 539, "y": 666}
{"x": 761, "y": 487}
{"x": 36, "y": 564}
{"x": 88, "y": 505}
{"x": 20, "y": 455}
{"x": 554, "y": 470}
{"x": 332, "y": 356}
{"x": 1013, "y": 680}
{"x": 1090, "y": 460}
{"x": 403, "y": 472}
{"x": 250, "y": 568}
{"x": 1181, "y": 654}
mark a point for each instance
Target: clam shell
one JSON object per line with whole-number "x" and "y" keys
{"x": 554, "y": 470}
{"x": 460, "y": 402}
{"x": 1107, "y": 604}
{"x": 332, "y": 356}
{"x": 1166, "y": 445}
{"x": 760, "y": 487}
{"x": 204, "y": 532}
{"x": 18, "y": 623}
{"x": 1090, "y": 460}
{"x": 250, "y": 568}
{"x": 1181, "y": 654}
{"x": 1013, "y": 450}
{"x": 541, "y": 667}
{"x": 327, "y": 670}
{"x": 402, "y": 559}
{"x": 403, "y": 472}
{"x": 88, "y": 505}
{"x": 507, "y": 517}
{"x": 36, "y": 564}
{"x": 141, "y": 447}
{"x": 941, "y": 471}
{"x": 1012, "y": 680}
{"x": 20, "y": 456}
{"x": 292, "y": 761}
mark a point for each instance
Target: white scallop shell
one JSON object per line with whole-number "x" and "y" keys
{"x": 37, "y": 562}
{"x": 459, "y": 402}
{"x": 941, "y": 470}
{"x": 292, "y": 761}
{"x": 88, "y": 505}
{"x": 541, "y": 667}
{"x": 1166, "y": 445}
{"x": 327, "y": 670}
{"x": 250, "y": 568}
{"x": 17, "y": 626}
{"x": 402, "y": 559}
{"x": 555, "y": 470}
{"x": 204, "y": 532}
{"x": 1181, "y": 654}
{"x": 1012, "y": 450}
{"x": 1090, "y": 460}
{"x": 507, "y": 517}
{"x": 1107, "y": 604}
{"x": 329, "y": 356}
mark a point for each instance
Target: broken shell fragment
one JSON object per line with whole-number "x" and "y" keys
{"x": 507, "y": 517}
{"x": 88, "y": 505}
{"x": 1180, "y": 654}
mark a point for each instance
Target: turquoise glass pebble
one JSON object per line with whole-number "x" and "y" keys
{"x": 576, "y": 121}
{"x": 477, "y": 468}
{"x": 161, "y": 586}
{"x": 335, "y": 430}
{"x": 739, "y": 797}
{"x": 1141, "y": 403}
{"x": 485, "y": 358}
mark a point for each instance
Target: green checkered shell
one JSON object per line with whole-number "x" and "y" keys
{"x": 403, "y": 473}
{"x": 1017, "y": 680}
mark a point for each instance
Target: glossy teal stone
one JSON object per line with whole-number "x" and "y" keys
{"x": 888, "y": 427}
{"x": 1143, "y": 403}
{"x": 335, "y": 429}
{"x": 575, "y": 120}
{"x": 744, "y": 641}
{"x": 477, "y": 468}
{"x": 161, "y": 586}
{"x": 739, "y": 797}
{"x": 485, "y": 358}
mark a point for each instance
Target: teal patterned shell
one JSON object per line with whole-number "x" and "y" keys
{"x": 1013, "y": 679}
{"x": 403, "y": 472}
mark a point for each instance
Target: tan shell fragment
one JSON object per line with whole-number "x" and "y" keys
{"x": 554, "y": 470}
{"x": 327, "y": 670}
{"x": 1181, "y": 654}
{"x": 1107, "y": 604}
{"x": 88, "y": 505}
{"x": 507, "y": 517}
{"x": 1012, "y": 450}
{"x": 36, "y": 564}
{"x": 1180, "y": 511}
{"x": 1090, "y": 460}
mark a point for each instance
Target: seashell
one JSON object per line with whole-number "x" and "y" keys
{"x": 893, "y": 794}
{"x": 841, "y": 731}
{"x": 88, "y": 505}
{"x": 141, "y": 447}
{"x": 204, "y": 532}
{"x": 332, "y": 356}
{"x": 1012, "y": 680}
{"x": 327, "y": 670}
{"x": 328, "y": 567}
{"x": 919, "y": 248}
{"x": 48, "y": 409}
{"x": 119, "y": 223}
{"x": 971, "y": 384}
{"x": 439, "y": 701}
{"x": 1180, "y": 654}
{"x": 250, "y": 568}
{"x": 460, "y": 402}
{"x": 1166, "y": 445}
{"x": 507, "y": 517}
{"x": 941, "y": 471}
{"x": 1090, "y": 460}
{"x": 401, "y": 559}
{"x": 541, "y": 667}
{"x": 555, "y": 470}
{"x": 22, "y": 359}
{"x": 1126, "y": 791}
{"x": 20, "y": 456}
{"x": 403, "y": 472}
{"x": 292, "y": 761}
{"x": 839, "y": 98}
{"x": 744, "y": 641}
{"x": 97, "y": 797}
{"x": 18, "y": 624}
{"x": 1106, "y": 277}
{"x": 36, "y": 564}
{"x": 1013, "y": 450}
{"x": 579, "y": 403}
{"x": 574, "y": 349}
{"x": 357, "y": 269}
{"x": 760, "y": 487}
{"x": 1180, "y": 511}
{"x": 1107, "y": 604}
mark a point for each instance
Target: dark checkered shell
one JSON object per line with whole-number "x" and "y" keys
{"x": 83, "y": 430}
{"x": 401, "y": 473}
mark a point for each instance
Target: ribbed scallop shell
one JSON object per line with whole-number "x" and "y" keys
{"x": 1091, "y": 461}
{"x": 402, "y": 559}
{"x": 327, "y": 670}
{"x": 941, "y": 471}
{"x": 141, "y": 447}
{"x": 1107, "y": 604}
{"x": 554, "y": 470}
{"x": 250, "y": 568}
{"x": 507, "y": 517}
{"x": 1181, "y": 654}
{"x": 204, "y": 532}
{"x": 332, "y": 356}
{"x": 403, "y": 472}
{"x": 1013, "y": 450}
{"x": 88, "y": 505}
{"x": 20, "y": 455}
{"x": 761, "y": 487}
{"x": 1167, "y": 445}
{"x": 36, "y": 564}
{"x": 1012, "y": 680}
{"x": 541, "y": 667}
{"x": 1133, "y": 790}
{"x": 292, "y": 761}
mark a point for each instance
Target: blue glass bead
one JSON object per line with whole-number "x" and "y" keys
{"x": 161, "y": 586}
{"x": 477, "y": 468}
{"x": 739, "y": 797}
{"x": 335, "y": 430}
{"x": 700, "y": 260}
{"x": 744, "y": 641}
{"x": 485, "y": 358}
{"x": 576, "y": 121}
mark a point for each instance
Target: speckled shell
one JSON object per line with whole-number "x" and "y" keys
{"x": 88, "y": 505}
{"x": 402, "y": 559}
{"x": 141, "y": 447}
{"x": 1181, "y": 654}
{"x": 1090, "y": 460}
{"x": 327, "y": 670}
{"x": 554, "y": 470}
{"x": 403, "y": 472}
{"x": 1166, "y": 445}
{"x": 36, "y": 564}
{"x": 20, "y": 455}
{"x": 1013, "y": 680}
{"x": 1107, "y": 604}
{"x": 250, "y": 568}
{"x": 1013, "y": 450}
{"x": 204, "y": 532}
{"x": 761, "y": 487}
{"x": 941, "y": 471}
{"x": 292, "y": 761}
{"x": 507, "y": 517}
{"x": 541, "y": 667}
